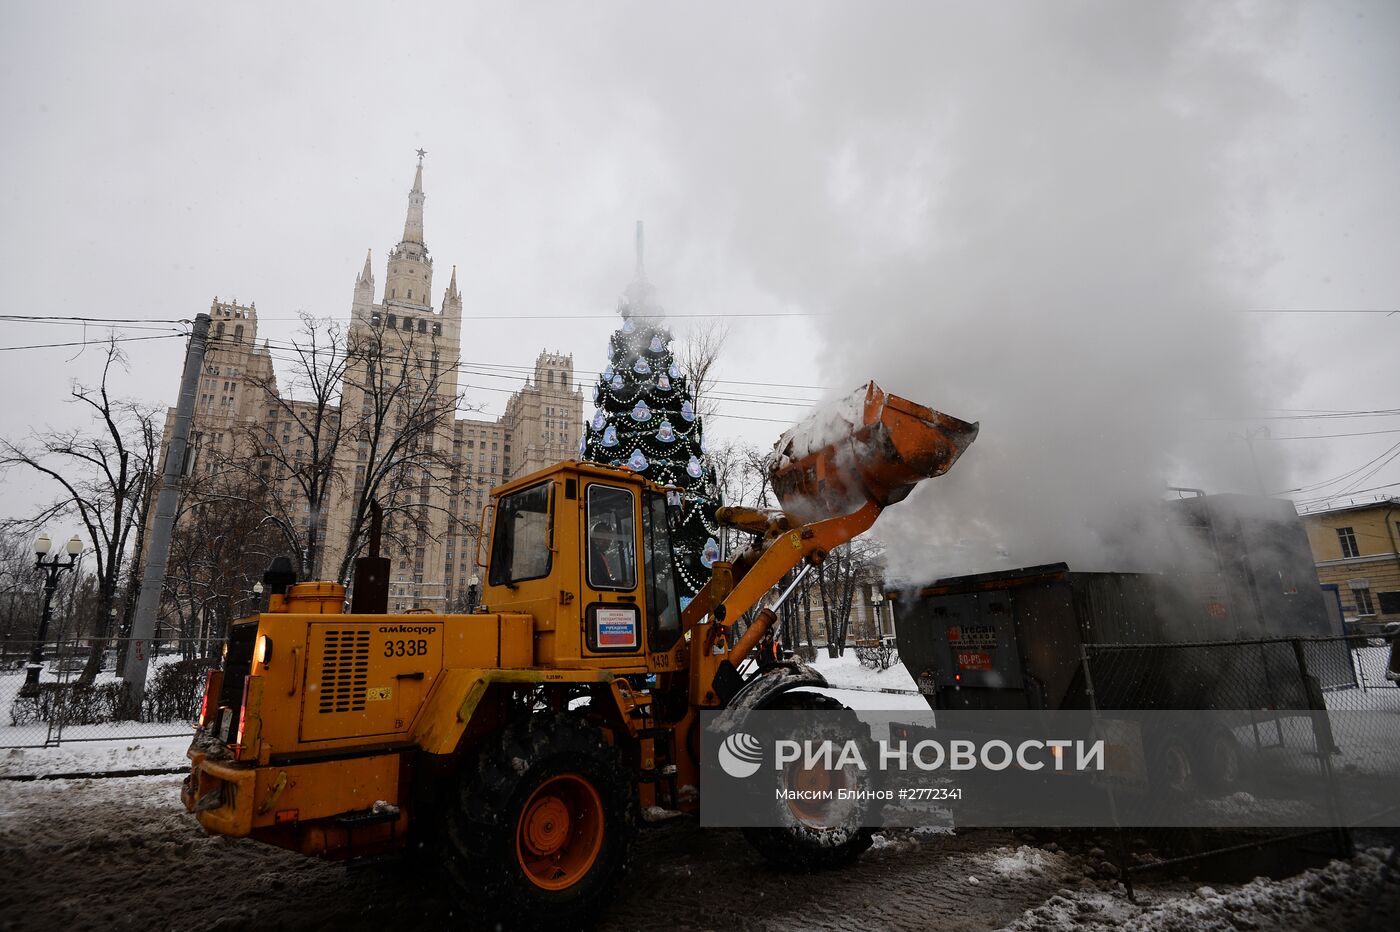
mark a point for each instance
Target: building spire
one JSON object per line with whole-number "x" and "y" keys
{"x": 367, "y": 275}
{"x": 413, "y": 223}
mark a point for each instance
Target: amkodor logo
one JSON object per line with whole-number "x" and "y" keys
{"x": 740, "y": 755}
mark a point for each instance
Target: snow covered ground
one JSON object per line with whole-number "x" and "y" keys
{"x": 117, "y": 754}
{"x": 866, "y": 689}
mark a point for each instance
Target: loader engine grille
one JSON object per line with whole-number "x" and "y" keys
{"x": 344, "y": 671}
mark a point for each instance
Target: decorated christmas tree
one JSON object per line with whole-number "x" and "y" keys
{"x": 645, "y": 420}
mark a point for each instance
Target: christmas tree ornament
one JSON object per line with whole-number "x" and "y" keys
{"x": 628, "y": 326}
{"x": 710, "y": 555}
{"x": 665, "y": 433}
{"x": 656, "y": 345}
{"x": 687, "y": 410}
{"x": 663, "y": 382}
{"x": 641, "y": 366}
{"x": 600, "y": 420}
{"x": 607, "y": 373}
{"x": 693, "y": 468}
{"x": 610, "y": 436}
{"x": 582, "y": 447}
{"x": 617, "y": 383}
{"x": 638, "y": 461}
{"x": 675, "y": 371}
{"x": 641, "y": 412}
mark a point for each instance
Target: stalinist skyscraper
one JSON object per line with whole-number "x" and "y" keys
{"x": 419, "y": 348}
{"x": 433, "y": 492}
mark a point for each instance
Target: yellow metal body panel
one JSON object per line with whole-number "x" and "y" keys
{"x": 338, "y": 681}
{"x": 252, "y": 797}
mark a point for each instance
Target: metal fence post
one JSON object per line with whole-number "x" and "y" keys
{"x": 1323, "y": 743}
{"x": 1124, "y": 867}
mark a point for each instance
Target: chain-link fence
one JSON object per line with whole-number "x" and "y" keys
{"x": 1285, "y": 712}
{"x": 72, "y": 691}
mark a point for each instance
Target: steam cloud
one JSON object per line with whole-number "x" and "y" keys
{"x": 1025, "y": 215}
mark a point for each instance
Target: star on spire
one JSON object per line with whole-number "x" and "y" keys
{"x": 421, "y": 153}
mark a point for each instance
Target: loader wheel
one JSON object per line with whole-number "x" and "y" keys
{"x": 541, "y": 826}
{"x": 808, "y": 839}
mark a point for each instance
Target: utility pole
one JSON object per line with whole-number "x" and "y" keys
{"x": 143, "y": 622}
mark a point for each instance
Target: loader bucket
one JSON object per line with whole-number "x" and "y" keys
{"x": 870, "y": 447}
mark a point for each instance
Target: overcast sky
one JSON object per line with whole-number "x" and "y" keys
{"x": 1046, "y": 217}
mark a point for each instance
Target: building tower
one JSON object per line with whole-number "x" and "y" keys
{"x": 417, "y": 349}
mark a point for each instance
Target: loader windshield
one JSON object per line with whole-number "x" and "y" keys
{"x": 520, "y": 544}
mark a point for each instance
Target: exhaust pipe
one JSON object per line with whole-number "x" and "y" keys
{"x": 371, "y": 593}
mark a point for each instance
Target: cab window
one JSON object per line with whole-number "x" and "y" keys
{"x": 520, "y": 543}
{"x": 612, "y": 538}
{"x": 663, "y": 609}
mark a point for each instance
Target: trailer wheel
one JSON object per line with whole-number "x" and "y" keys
{"x": 808, "y": 839}
{"x": 539, "y": 832}
{"x": 1171, "y": 768}
{"x": 1220, "y": 769}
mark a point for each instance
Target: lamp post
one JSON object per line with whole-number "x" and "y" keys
{"x": 877, "y": 598}
{"x": 473, "y": 588}
{"x": 52, "y": 569}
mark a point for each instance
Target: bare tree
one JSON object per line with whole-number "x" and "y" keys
{"x": 402, "y": 433}
{"x": 223, "y": 540}
{"x": 290, "y": 459}
{"x": 700, "y": 350}
{"x": 104, "y": 473}
{"x": 20, "y": 592}
{"x": 839, "y": 580}
{"x": 367, "y": 416}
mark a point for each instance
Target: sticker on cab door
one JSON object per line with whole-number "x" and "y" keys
{"x": 616, "y": 627}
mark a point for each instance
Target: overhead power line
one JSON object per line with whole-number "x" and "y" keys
{"x": 1320, "y": 310}
{"x": 64, "y": 318}
{"x": 102, "y": 342}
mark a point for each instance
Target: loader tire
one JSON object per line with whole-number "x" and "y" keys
{"x": 800, "y": 845}
{"x": 539, "y": 831}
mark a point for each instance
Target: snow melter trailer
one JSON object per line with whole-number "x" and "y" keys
{"x": 1233, "y": 568}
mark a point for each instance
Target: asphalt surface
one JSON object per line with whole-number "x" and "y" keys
{"x": 122, "y": 854}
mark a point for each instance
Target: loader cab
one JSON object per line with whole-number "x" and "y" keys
{"x": 586, "y": 551}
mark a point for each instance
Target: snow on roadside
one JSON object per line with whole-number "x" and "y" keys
{"x": 96, "y": 756}
{"x": 867, "y": 689}
{"x": 1356, "y": 894}
{"x": 847, "y": 670}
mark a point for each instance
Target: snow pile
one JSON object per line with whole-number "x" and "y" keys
{"x": 1358, "y": 894}
{"x": 859, "y": 687}
{"x": 96, "y": 757}
{"x": 847, "y": 672}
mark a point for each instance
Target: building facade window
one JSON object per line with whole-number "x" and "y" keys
{"x": 1347, "y": 538}
{"x": 1364, "y": 605}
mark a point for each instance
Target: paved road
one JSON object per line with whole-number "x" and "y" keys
{"x": 122, "y": 854}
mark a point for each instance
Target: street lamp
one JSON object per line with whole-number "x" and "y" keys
{"x": 877, "y": 598}
{"x": 52, "y": 569}
{"x": 473, "y": 588}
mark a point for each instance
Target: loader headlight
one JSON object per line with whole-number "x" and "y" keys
{"x": 262, "y": 651}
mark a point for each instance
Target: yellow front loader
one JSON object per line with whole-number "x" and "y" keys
{"x": 515, "y": 746}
